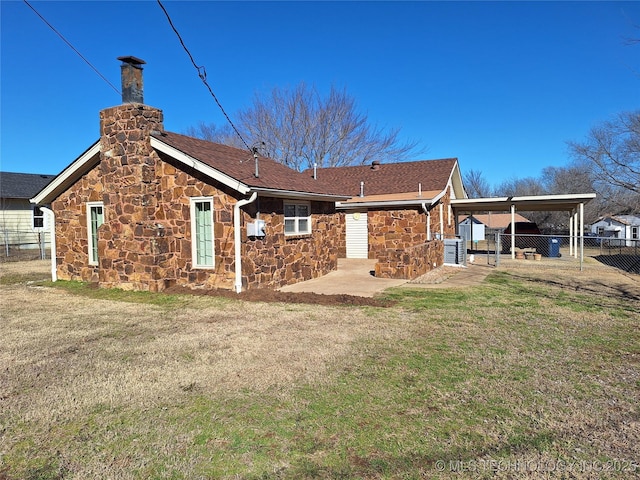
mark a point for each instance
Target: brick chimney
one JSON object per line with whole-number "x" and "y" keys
{"x": 131, "y": 73}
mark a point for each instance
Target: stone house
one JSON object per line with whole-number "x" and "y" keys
{"x": 145, "y": 209}
{"x": 398, "y": 213}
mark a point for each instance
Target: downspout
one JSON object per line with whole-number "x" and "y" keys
{"x": 237, "y": 238}
{"x": 54, "y": 267}
{"x": 428, "y": 212}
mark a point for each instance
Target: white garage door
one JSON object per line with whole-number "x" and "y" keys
{"x": 357, "y": 235}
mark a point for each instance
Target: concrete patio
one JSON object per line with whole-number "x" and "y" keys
{"x": 354, "y": 277}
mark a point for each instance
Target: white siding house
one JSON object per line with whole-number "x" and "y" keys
{"x": 625, "y": 228}
{"x": 21, "y": 224}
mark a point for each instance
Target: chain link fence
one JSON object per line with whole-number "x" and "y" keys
{"x": 558, "y": 251}
{"x": 24, "y": 244}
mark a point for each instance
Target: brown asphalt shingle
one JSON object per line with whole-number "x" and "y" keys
{"x": 240, "y": 164}
{"x": 387, "y": 179}
{"x": 390, "y": 177}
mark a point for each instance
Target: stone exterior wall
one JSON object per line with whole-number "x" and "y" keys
{"x": 145, "y": 241}
{"x": 398, "y": 240}
{"x": 411, "y": 262}
{"x": 278, "y": 259}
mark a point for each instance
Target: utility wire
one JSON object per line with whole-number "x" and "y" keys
{"x": 202, "y": 73}
{"x": 71, "y": 46}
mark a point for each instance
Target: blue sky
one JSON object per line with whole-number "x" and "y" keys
{"x": 500, "y": 85}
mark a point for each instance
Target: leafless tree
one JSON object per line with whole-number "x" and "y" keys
{"x": 214, "y": 133}
{"x": 573, "y": 178}
{"x": 520, "y": 186}
{"x": 611, "y": 151}
{"x": 476, "y": 185}
{"x": 300, "y": 127}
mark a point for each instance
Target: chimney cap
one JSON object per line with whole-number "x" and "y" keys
{"x": 132, "y": 60}
{"x": 375, "y": 165}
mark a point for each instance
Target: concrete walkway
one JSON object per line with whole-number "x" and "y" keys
{"x": 460, "y": 277}
{"x": 354, "y": 277}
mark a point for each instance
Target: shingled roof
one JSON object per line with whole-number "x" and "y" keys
{"x": 240, "y": 165}
{"x": 22, "y": 185}
{"x": 389, "y": 178}
{"x": 236, "y": 168}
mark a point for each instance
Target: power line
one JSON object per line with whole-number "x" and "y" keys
{"x": 202, "y": 73}
{"x": 71, "y": 46}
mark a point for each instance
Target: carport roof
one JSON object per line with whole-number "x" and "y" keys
{"x": 565, "y": 202}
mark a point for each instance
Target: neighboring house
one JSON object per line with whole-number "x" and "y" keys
{"x": 486, "y": 225}
{"x": 624, "y": 228}
{"x": 21, "y": 223}
{"x": 143, "y": 208}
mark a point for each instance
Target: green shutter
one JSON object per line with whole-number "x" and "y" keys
{"x": 204, "y": 234}
{"x": 97, "y": 219}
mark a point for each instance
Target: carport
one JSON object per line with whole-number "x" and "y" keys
{"x": 573, "y": 204}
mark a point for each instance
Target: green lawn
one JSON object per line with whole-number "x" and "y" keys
{"x": 522, "y": 375}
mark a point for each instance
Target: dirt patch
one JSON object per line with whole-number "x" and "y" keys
{"x": 437, "y": 275}
{"x": 273, "y": 296}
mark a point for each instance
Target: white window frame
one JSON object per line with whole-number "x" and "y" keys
{"x": 93, "y": 258}
{"x": 296, "y": 219}
{"x": 194, "y": 240}
{"x": 42, "y": 216}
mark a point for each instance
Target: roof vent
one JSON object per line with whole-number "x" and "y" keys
{"x": 375, "y": 165}
{"x": 131, "y": 73}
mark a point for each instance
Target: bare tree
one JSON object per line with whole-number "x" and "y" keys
{"x": 520, "y": 187}
{"x": 574, "y": 178}
{"x": 476, "y": 185}
{"x": 215, "y": 133}
{"x": 612, "y": 153}
{"x": 299, "y": 127}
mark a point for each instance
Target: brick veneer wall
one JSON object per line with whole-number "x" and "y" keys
{"x": 145, "y": 241}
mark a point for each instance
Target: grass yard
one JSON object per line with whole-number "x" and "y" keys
{"x": 529, "y": 374}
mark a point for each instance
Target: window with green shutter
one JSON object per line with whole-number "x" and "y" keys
{"x": 202, "y": 232}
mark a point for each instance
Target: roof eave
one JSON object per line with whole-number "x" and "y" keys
{"x": 386, "y": 203}
{"x": 68, "y": 176}
{"x": 278, "y": 193}
{"x": 524, "y": 203}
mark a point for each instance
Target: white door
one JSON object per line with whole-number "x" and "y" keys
{"x": 357, "y": 235}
